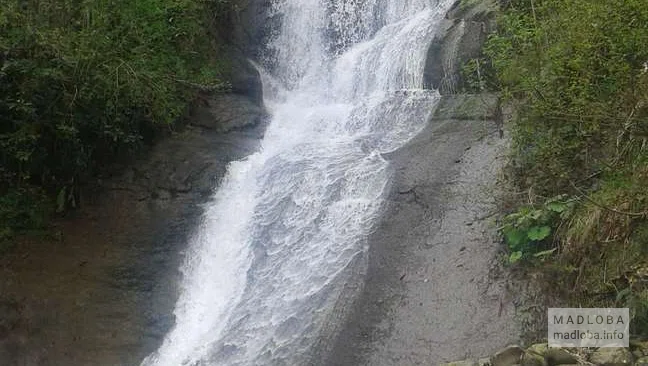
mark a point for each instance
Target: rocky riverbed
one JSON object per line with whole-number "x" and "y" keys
{"x": 540, "y": 354}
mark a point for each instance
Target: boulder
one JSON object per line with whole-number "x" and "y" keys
{"x": 559, "y": 356}
{"x": 509, "y": 356}
{"x": 533, "y": 359}
{"x": 642, "y": 361}
{"x": 539, "y": 348}
{"x": 612, "y": 357}
{"x": 554, "y": 355}
{"x": 640, "y": 348}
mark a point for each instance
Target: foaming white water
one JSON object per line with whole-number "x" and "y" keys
{"x": 262, "y": 271}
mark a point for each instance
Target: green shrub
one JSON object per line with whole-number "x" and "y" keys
{"x": 576, "y": 74}
{"x": 578, "y": 70}
{"x": 478, "y": 75}
{"x": 83, "y": 83}
{"x": 528, "y": 232}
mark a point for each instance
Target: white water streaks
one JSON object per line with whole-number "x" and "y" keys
{"x": 262, "y": 271}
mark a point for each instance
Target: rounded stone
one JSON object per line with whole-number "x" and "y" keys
{"x": 539, "y": 348}
{"x": 533, "y": 359}
{"x": 642, "y": 361}
{"x": 640, "y": 348}
{"x": 559, "y": 356}
{"x": 508, "y": 357}
{"x": 612, "y": 357}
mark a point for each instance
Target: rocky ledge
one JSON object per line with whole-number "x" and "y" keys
{"x": 541, "y": 355}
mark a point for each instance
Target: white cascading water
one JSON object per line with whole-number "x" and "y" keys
{"x": 263, "y": 270}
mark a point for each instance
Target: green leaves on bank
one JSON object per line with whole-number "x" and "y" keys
{"x": 580, "y": 71}
{"x": 576, "y": 76}
{"x": 527, "y": 232}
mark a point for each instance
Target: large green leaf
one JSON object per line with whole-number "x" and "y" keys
{"x": 538, "y": 233}
{"x": 557, "y": 206}
{"x": 514, "y": 237}
{"x": 515, "y": 257}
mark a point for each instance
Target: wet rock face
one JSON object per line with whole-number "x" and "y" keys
{"x": 252, "y": 26}
{"x": 241, "y": 35}
{"x": 243, "y": 77}
{"x": 228, "y": 112}
{"x": 465, "y": 31}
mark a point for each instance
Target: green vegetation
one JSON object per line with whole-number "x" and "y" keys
{"x": 576, "y": 74}
{"x": 84, "y": 83}
{"x": 527, "y": 232}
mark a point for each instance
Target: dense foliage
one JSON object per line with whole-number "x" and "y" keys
{"x": 85, "y": 82}
{"x": 580, "y": 66}
{"x": 577, "y": 74}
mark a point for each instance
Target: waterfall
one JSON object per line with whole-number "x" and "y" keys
{"x": 263, "y": 270}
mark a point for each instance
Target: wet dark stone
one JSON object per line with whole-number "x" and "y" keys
{"x": 465, "y": 30}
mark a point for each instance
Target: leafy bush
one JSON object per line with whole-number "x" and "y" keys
{"x": 527, "y": 232}
{"x": 479, "y": 75}
{"x": 83, "y": 83}
{"x": 580, "y": 69}
{"x": 576, "y": 73}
